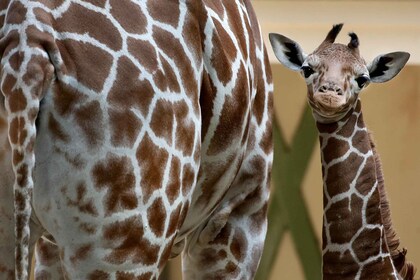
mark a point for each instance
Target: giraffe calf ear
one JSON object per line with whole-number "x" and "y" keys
{"x": 385, "y": 67}
{"x": 287, "y": 51}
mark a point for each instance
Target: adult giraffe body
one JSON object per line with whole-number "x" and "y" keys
{"x": 358, "y": 241}
{"x": 143, "y": 129}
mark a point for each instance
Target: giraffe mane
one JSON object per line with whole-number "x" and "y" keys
{"x": 405, "y": 269}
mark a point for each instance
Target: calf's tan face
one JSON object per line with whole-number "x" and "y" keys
{"x": 335, "y": 73}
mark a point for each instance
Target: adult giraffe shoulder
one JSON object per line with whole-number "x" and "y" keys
{"x": 358, "y": 240}
{"x": 137, "y": 130}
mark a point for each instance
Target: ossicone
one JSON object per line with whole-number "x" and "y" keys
{"x": 354, "y": 41}
{"x": 332, "y": 35}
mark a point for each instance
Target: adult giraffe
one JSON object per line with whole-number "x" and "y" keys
{"x": 138, "y": 129}
{"x": 358, "y": 240}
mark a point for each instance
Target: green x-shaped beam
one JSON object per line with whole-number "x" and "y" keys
{"x": 288, "y": 210}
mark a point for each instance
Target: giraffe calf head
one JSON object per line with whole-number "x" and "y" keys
{"x": 335, "y": 73}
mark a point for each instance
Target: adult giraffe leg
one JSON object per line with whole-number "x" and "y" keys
{"x": 47, "y": 264}
{"x": 230, "y": 244}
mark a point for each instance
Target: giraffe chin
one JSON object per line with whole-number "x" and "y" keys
{"x": 329, "y": 104}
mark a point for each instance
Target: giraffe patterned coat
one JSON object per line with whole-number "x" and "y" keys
{"x": 137, "y": 130}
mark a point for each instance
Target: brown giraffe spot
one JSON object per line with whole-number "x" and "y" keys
{"x": 17, "y": 157}
{"x": 233, "y": 115}
{"x": 224, "y": 52}
{"x": 335, "y": 148}
{"x": 256, "y": 30}
{"x": 15, "y": 61}
{"x": 378, "y": 270}
{"x": 210, "y": 256}
{"x": 367, "y": 244}
{"x": 134, "y": 21}
{"x": 7, "y": 86}
{"x": 46, "y": 252}
{"x": 236, "y": 27}
{"x": 43, "y": 16}
{"x": 337, "y": 266}
{"x": 99, "y": 3}
{"x": 144, "y": 52}
{"x": 97, "y": 274}
{"x": 223, "y": 237}
{"x": 130, "y": 243}
{"x": 22, "y": 175}
{"x": 56, "y": 130}
{"x": 163, "y": 120}
{"x": 215, "y": 171}
{"x": 266, "y": 142}
{"x": 156, "y": 215}
{"x": 10, "y": 41}
{"x": 258, "y": 106}
{"x": 326, "y": 127}
{"x": 152, "y": 166}
{"x": 188, "y": 179}
{"x": 373, "y": 216}
{"x": 344, "y": 220}
{"x": 130, "y": 276}
{"x": 66, "y": 99}
{"x": 347, "y": 130}
{"x": 239, "y": 245}
{"x": 192, "y": 31}
{"x": 88, "y": 228}
{"x": 84, "y": 205}
{"x": 51, "y": 4}
{"x": 16, "y": 13}
{"x": 340, "y": 175}
{"x": 169, "y": 15}
{"x": 165, "y": 78}
{"x": 232, "y": 269}
{"x": 89, "y": 64}
{"x": 125, "y": 127}
{"x": 116, "y": 175}
{"x": 90, "y": 120}
{"x": 174, "y": 185}
{"x": 78, "y": 19}
{"x": 20, "y": 200}
{"x": 367, "y": 177}
{"x": 361, "y": 141}
{"x": 172, "y": 47}
{"x": 128, "y": 90}
{"x": 207, "y": 98}
{"x": 258, "y": 220}
{"x": 81, "y": 253}
{"x": 173, "y": 221}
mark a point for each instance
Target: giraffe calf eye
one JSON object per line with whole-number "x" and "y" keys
{"x": 307, "y": 71}
{"x": 362, "y": 81}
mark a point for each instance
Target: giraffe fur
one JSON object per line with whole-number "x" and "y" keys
{"x": 358, "y": 240}
{"x": 146, "y": 134}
